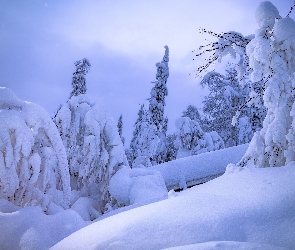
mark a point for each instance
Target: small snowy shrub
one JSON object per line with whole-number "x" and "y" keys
{"x": 191, "y": 140}
{"x": 33, "y": 162}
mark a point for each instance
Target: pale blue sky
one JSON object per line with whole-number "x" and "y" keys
{"x": 123, "y": 40}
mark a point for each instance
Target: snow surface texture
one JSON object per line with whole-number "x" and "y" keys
{"x": 250, "y": 208}
{"x": 196, "y": 169}
{"x": 94, "y": 148}
{"x": 30, "y": 228}
{"x": 33, "y": 163}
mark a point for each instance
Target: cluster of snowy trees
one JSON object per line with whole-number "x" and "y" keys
{"x": 147, "y": 146}
{"x": 67, "y": 161}
{"x": 226, "y": 96}
{"x": 63, "y": 162}
{"x": 267, "y": 60}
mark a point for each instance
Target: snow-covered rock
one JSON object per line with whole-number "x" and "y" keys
{"x": 137, "y": 186}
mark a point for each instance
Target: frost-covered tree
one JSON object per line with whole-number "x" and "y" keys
{"x": 272, "y": 60}
{"x": 171, "y": 148}
{"x": 219, "y": 107}
{"x": 191, "y": 140}
{"x": 131, "y": 153}
{"x": 79, "y": 81}
{"x": 33, "y": 162}
{"x": 120, "y": 128}
{"x": 93, "y": 145}
{"x": 192, "y": 112}
{"x": 159, "y": 92}
{"x": 157, "y": 104}
{"x": 146, "y": 142}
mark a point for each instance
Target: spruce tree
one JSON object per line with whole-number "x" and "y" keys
{"x": 159, "y": 92}
{"x": 79, "y": 81}
{"x": 157, "y": 104}
{"x": 120, "y": 128}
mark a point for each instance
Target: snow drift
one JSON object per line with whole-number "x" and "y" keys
{"x": 244, "y": 207}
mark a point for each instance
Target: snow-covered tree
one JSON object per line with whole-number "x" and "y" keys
{"x": 224, "y": 99}
{"x": 79, "y": 81}
{"x": 171, "y": 148}
{"x": 191, "y": 140}
{"x": 33, "y": 162}
{"x": 159, "y": 92}
{"x": 93, "y": 145}
{"x": 157, "y": 104}
{"x": 120, "y": 128}
{"x": 272, "y": 60}
{"x": 131, "y": 153}
{"x": 146, "y": 141}
{"x": 192, "y": 112}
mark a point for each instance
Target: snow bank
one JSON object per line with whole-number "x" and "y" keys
{"x": 226, "y": 245}
{"x": 137, "y": 186}
{"x": 245, "y": 207}
{"x": 198, "y": 168}
{"x": 30, "y": 228}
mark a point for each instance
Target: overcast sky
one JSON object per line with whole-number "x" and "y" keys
{"x": 123, "y": 40}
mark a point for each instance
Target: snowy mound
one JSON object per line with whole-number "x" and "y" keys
{"x": 251, "y": 208}
{"x": 198, "y": 168}
{"x": 137, "y": 186}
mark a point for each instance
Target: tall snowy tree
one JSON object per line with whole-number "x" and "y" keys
{"x": 159, "y": 92}
{"x": 33, "y": 162}
{"x": 146, "y": 141}
{"x": 272, "y": 60}
{"x": 94, "y": 148}
{"x": 79, "y": 81}
{"x": 157, "y": 104}
{"x": 131, "y": 153}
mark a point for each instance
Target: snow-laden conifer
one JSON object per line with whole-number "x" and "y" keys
{"x": 272, "y": 59}
{"x": 131, "y": 153}
{"x": 79, "y": 80}
{"x": 192, "y": 112}
{"x": 159, "y": 92}
{"x": 94, "y": 148}
{"x": 146, "y": 141}
{"x": 191, "y": 140}
{"x": 33, "y": 162}
{"x": 120, "y": 128}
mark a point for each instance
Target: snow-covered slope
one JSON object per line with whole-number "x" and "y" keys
{"x": 199, "y": 168}
{"x": 246, "y": 208}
